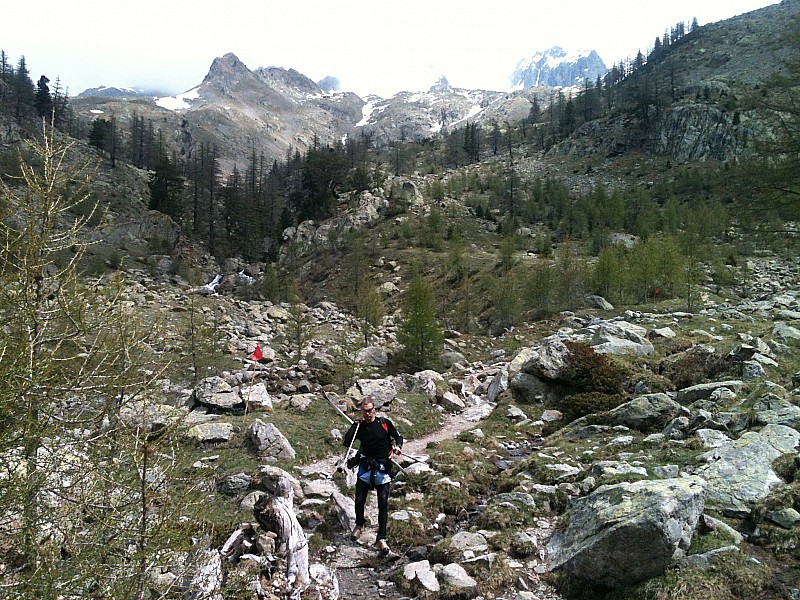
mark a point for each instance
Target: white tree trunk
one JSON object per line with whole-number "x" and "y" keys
{"x": 277, "y": 514}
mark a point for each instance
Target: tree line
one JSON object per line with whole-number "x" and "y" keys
{"x": 27, "y": 102}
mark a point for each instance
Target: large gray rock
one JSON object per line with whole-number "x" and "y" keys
{"x": 741, "y": 472}
{"x": 649, "y": 413}
{"x": 528, "y": 389}
{"x": 257, "y": 398}
{"x": 269, "y": 441}
{"x": 345, "y": 509}
{"x": 381, "y": 391}
{"x": 216, "y": 392}
{"x": 271, "y": 475}
{"x": 621, "y": 337}
{"x": 626, "y": 533}
{"x": 421, "y": 574}
{"x": 703, "y": 391}
{"x": 599, "y": 302}
{"x": 546, "y": 360}
{"x": 454, "y": 576}
{"x": 465, "y": 541}
{"x": 372, "y": 356}
{"x": 150, "y": 416}
{"x": 206, "y": 433}
{"x": 773, "y": 409}
{"x": 786, "y": 333}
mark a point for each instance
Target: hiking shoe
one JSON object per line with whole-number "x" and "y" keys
{"x": 356, "y": 534}
{"x": 382, "y": 546}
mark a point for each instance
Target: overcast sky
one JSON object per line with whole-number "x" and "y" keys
{"x": 371, "y": 46}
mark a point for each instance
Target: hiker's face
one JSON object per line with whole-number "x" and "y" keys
{"x": 368, "y": 412}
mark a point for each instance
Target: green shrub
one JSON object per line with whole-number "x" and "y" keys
{"x": 587, "y": 403}
{"x": 693, "y": 367}
{"x": 592, "y": 371}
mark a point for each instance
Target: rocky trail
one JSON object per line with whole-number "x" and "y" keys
{"x": 361, "y": 571}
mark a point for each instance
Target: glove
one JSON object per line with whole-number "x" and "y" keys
{"x": 352, "y": 462}
{"x": 397, "y": 451}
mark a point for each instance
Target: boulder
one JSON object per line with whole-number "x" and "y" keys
{"x": 372, "y": 356}
{"x": 150, "y": 416}
{"x": 623, "y": 534}
{"x": 786, "y": 333}
{"x": 451, "y": 402}
{"x": 421, "y": 574}
{"x": 381, "y": 391}
{"x": 270, "y": 476}
{"x": 528, "y": 389}
{"x": 649, "y": 413}
{"x": 704, "y": 391}
{"x": 216, "y": 392}
{"x": 234, "y": 484}
{"x": 205, "y": 433}
{"x": 345, "y": 509}
{"x": 468, "y": 542}
{"x": 599, "y": 302}
{"x": 269, "y": 441}
{"x": 620, "y": 337}
{"x": 773, "y": 409}
{"x": 256, "y": 398}
{"x": 454, "y": 576}
{"x": 545, "y": 360}
{"x": 741, "y": 472}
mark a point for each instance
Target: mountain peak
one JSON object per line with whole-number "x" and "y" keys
{"x": 227, "y": 68}
{"x": 441, "y": 85}
{"x": 557, "y": 67}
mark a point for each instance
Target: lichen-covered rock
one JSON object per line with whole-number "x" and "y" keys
{"x": 741, "y": 472}
{"x": 623, "y": 534}
{"x": 205, "y": 433}
{"x": 545, "y": 360}
{"x": 704, "y": 391}
{"x": 216, "y": 392}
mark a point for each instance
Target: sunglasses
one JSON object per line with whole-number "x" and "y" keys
{"x": 368, "y": 410}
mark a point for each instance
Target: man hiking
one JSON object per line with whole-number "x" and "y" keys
{"x": 374, "y": 466}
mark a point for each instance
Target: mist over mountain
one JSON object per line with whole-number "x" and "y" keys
{"x": 116, "y": 92}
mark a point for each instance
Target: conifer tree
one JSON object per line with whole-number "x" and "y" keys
{"x": 419, "y": 333}
{"x": 43, "y": 102}
{"x": 78, "y": 456}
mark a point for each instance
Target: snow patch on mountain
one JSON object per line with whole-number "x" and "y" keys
{"x": 179, "y": 102}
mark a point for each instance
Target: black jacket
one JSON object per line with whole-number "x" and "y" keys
{"x": 375, "y": 437}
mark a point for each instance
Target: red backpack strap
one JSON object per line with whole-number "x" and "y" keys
{"x": 384, "y": 425}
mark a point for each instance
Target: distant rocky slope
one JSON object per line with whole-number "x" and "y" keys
{"x": 275, "y": 110}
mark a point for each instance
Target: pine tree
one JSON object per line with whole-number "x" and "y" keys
{"x": 419, "y": 333}
{"x": 43, "y": 102}
{"x": 22, "y": 91}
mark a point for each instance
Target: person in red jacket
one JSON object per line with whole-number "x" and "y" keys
{"x": 374, "y": 466}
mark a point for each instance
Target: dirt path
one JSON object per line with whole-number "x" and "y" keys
{"x": 451, "y": 427}
{"x": 361, "y": 572}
